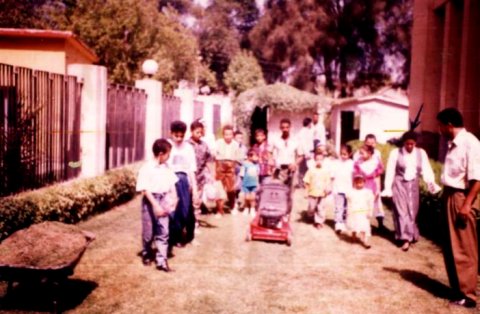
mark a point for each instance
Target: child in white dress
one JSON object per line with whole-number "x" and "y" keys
{"x": 360, "y": 205}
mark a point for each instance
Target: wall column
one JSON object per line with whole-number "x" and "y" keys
{"x": 153, "y": 112}
{"x": 93, "y": 118}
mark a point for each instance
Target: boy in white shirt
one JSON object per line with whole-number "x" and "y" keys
{"x": 342, "y": 173}
{"x": 156, "y": 181}
{"x": 183, "y": 162}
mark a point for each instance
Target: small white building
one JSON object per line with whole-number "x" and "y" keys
{"x": 384, "y": 114}
{"x": 264, "y": 106}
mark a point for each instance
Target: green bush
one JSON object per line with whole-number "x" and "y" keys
{"x": 68, "y": 202}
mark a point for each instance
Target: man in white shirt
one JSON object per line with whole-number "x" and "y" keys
{"x": 319, "y": 133}
{"x": 461, "y": 179}
{"x": 287, "y": 154}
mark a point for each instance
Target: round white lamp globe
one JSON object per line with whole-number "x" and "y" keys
{"x": 150, "y": 67}
{"x": 322, "y": 79}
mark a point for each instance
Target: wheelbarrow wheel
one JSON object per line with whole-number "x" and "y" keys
{"x": 248, "y": 236}
{"x": 289, "y": 240}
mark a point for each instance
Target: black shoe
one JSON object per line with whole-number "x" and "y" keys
{"x": 380, "y": 225}
{"x": 147, "y": 259}
{"x": 465, "y": 302}
{"x": 164, "y": 267}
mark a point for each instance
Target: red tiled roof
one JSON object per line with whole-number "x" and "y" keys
{"x": 47, "y": 33}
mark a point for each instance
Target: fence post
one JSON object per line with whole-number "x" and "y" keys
{"x": 93, "y": 117}
{"x": 153, "y": 112}
{"x": 186, "y": 108}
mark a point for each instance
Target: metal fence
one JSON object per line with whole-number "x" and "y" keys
{"x": 39, "y": 128}
{"x": 125, "y": 140}
{"x": 170, "y": 112}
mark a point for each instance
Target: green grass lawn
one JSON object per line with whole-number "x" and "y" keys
{"x": 221, "y": 273}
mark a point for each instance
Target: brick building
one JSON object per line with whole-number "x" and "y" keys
{"x": 445, "y": 66}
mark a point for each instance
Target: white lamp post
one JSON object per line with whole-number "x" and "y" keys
{"x": 149, "y": 67}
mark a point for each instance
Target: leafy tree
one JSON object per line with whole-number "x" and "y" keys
{"x": 298, "y": 41}
{"x": 177, "y": 45}
{"x": 206, "y": 77}
{"x": 218, "y": 39}
{"x": 395, "y": 24}
{"x": 181, "y": 6}
{"x": 21, "y": 14}
{"x": 223, "y": 30}
{"x": 120, "y": 32}
{"x": 244, "y": 73}
{"x": 123, "y": 33}
{"x": 286, "y": 39}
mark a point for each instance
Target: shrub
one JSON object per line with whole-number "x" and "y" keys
{"x": 68, "y": 202}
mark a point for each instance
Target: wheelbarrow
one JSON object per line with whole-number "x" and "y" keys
{"x": 45, "y": 252}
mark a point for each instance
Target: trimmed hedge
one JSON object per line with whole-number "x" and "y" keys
{"x": 68, "y": 202}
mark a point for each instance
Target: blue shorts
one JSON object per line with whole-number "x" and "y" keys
{"x": 249, "y": 189}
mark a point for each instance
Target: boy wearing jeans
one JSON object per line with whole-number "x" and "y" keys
{"x": 157, "y": 182}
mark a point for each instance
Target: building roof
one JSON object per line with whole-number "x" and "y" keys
{"x": 278, "y": 96}
{"x": 385, "y": 95}
{"x": 68, "y": 36}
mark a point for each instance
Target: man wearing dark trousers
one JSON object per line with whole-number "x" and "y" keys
{"x": 461, "y": 179}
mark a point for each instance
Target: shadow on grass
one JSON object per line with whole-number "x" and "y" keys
{"x": 422, "y": 281}
{"x": 305, "y": 217}
{"x": 40, "y": 296}
{"x": 385, "y": 233}
{"x": 349, "y": 238}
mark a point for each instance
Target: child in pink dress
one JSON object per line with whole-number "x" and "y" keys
{"x": 371, "y": 168}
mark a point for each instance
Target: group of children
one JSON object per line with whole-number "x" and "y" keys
{"x": 354, "y": 185}
{"x": 187, "y": 176}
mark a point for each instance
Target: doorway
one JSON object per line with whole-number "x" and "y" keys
{"x": 348, "y": 128}
{"x": 259, "y": 120}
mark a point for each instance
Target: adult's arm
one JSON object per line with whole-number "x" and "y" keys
{"x": 472, "y": 194}
{"x": 390, "y": 173}
{"x": 473, "y": 175}
{"x": 427, "y": 171}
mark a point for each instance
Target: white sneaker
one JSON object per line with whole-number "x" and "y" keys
{"x": 234, "y": 211}
{"x": 218, "y": 216}
{"x": 339, "y": 227}
{"x": 252, "y": 212}
{"x": 245, "y": 212}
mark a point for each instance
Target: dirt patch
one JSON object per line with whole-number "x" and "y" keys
{"x": 47, "y": 245}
